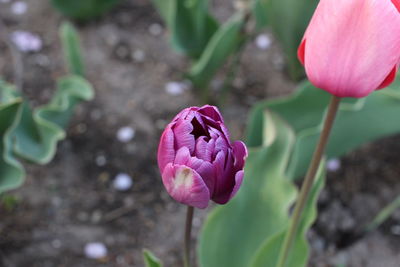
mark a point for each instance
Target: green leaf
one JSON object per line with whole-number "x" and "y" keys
{"x": 359, "y": 121}
{"x": 33, "y": 134}
{"x": 288, "y": 20}
{"x": 233, "y": 233}
{"x": 298, "y": 256}
{"x": 260, "y": 11}
{"x": 151, "y": 260}
{"x": 224, "y": 43}
{"x": 72, "y": 49}
{"x": 11, "y": 171}
{"x": 190, "y": 23}
{"x": 84, "y": 9}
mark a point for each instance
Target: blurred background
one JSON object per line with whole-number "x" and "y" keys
{"x": 101, "y": 200}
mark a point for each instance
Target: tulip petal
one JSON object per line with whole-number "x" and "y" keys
{"x": 389, "y": 79}
{"x": 183, "y": 136}
{"x": 185, "y": 185}
{"x": 352, "y": 45}
{"x": 212, "y": 112}
{"x": 396, "y": 3}
{"x": 240, "y": 154}
{"x": 301, "y": 51}
{"x": 182, "y": 156}
{"x": 202, "y": 149}
{"x": 166, "y": 151}
{"x": 238, "y": 182}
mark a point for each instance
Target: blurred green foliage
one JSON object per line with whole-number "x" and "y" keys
{"x": 150, "y": 260}
{"x": 84, "y": 9}
{"x": 258, "y": 217}
{"x": 282, "y": 135}
{"x": 32, "y": 134}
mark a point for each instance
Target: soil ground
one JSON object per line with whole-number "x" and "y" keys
{"x": 71, "y": 201}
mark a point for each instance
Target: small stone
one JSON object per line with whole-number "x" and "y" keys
{"x": 101, "y": 160}
{"x": 395, "y": 229}
{"x": 155, "y": 29}
{"x": 56, "y": 243}
{"x": 26, "y": 41}
{"x": 333, "y": 165}
{"x": 122, "y": 182}
{"x": 177, "y": 88}
{"x": 138, "y": 56}
{"x": 125, "y": 134}
{"x": 95, "y": 250}
{"x": 19, "y": 8}
{"x": 263, "y": 41}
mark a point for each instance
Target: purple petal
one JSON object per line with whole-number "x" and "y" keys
{"x": 186, "y": 186}
{"x": 182, "y": 156}
{"x": 206, "y": 171}
{"x": 211, "y": 112}
{"x": 166, "y": 151}
{"x": 203, "y": 150}
{"x": 183, "y": 136}
{"x": 238, "y": 182}
{"x": 240, "y": 153}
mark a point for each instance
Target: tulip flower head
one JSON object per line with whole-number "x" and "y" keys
{"x": 352, "y": 47}
{"x": 197, "y": 161}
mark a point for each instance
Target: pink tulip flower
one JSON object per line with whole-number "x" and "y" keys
{"x": 352, "y": 47}
{"x": 197, "y": 161}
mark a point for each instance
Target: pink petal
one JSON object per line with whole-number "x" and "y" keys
{"x": 389, "y": 79}
{"x": 186, "y": 186}
{"x": 351, "y": 46}
{"x": 166, "y": 151}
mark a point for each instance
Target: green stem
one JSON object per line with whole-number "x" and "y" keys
{"x": 308, "y": 181}
{"x": 188, "y": 233}
{"x": 383, "y": 215}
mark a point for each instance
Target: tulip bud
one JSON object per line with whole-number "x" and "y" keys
{"x": 197, "y": 161}
{"x": 352, "y": 47}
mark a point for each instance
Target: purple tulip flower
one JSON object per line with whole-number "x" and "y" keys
{"x": 197, "y": 161}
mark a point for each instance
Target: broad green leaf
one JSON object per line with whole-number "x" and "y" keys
{"x": 260, "y": 11}
{"x": 33, "y": 134}
{"x": 84, "y": 9}
{"x": 190, "y": 23}
{"x": 72, "y": 50}
{"x": 40, "y": 130}
{"x": 224, "y": 43}
{"x": 233, "y": 233}
{"x": 150, "y": 260}
{"x": 11, "y": 171}
{"x": 268, "y": 253}
{"x": 358, "y": 121}
{"x": 288, "y": 20}
{"x": 166, "y": 9}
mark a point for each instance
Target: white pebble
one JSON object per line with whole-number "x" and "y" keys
{"x": 155, "y": 29}
{"x": 176, "y": 88}
{"x": 19, "y": 8}
{"x": 125, "y": 134}
{"x": 26, "y": 41}
{"x": 263, "y": 42}
{"x": 395, "y": 229}
{"x": 333, "y": 165}
{"x": 139, "y": 55}
{"x": 95, "y": 250}
{"x": 122, "y": 182}
{"x": 101, "y": 160}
